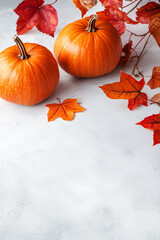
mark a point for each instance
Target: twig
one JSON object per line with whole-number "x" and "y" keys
{"x": 137, "y": 35}
{"x": 129, "y": 4}
{"x": 134, "y": 7}
{"x": 139, "y": 42}
{"x": 138, "y": 59}
{"x": 153, "y": 102}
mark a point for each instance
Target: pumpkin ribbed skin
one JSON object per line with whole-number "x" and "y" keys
{"x": 28, "y": 81}
{"x": 88, "y": 54}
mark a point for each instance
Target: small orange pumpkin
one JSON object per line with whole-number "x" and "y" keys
{"x": 88, "y": 47}
{"x": 30, "y": 77}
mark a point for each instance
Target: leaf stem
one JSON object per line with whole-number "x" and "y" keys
{"x": 138, "y": 59}
{"x": 53, "y": 2}
{"x": 59, "y": 101}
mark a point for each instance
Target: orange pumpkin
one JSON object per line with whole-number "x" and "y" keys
{"x": 30, "y": 77}
{"x": 88, "y": 47}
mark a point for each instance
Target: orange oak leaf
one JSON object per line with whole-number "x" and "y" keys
{"x": 34, "y": 13}
{"x": 156, "y": 99}
{"x": 107, "y": 3}
{"x": 127, "y": 50}
{"x": 116, "y": 17}
{"x": 154, "y": 27}
{"x": 84, "y": 5}
{"x": 154, "y": 82}
{"x": 128, "y": 88}
{"x": 145, "y": 12}
{"x": 156, "y": 137}
{"x": 152, "y": 122}
{"x": 65, "y": 110}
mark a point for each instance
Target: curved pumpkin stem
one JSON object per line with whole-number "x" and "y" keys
{"x": 23, "y": 54}
{"x": 91, "y": 25}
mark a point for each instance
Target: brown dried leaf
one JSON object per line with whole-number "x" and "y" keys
{"x": 156, "y": 98}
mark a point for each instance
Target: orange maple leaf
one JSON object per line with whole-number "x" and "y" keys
{"x": 65, "y": 110}
{"x": 128, "y": 88}
{"x": 154, "y": 82}
{"x": 154, "y": 27}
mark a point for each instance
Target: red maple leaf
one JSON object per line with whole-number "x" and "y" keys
{"x": 156, "y": 137}
{"x": 106, "y": 3}
{"x": 34, "y": 13}
{"x": 128, "y": 88}
{"x": 116, "y": 17}
{"x": 127, "y": 50}
{"x": 145, "y": 12}
{"x": 152, "y": 122}
{"x": 141, "y": 99}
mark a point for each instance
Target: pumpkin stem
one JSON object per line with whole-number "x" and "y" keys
{"x": 23, "y": 54}
{"x": 91, "y": 25}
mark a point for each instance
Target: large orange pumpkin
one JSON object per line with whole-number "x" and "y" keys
{"x": 30, "y": 77}
{"x": 88, "y": 47}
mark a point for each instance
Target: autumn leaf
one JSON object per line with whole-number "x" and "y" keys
{"x": 127, "y": 50}
{"x": 152, "y": 122}
{"x": 156, "y": 137}
{"x": 65, "y": 110}
{"x": 128, "y": 88}
{"x": 34, "y": 13}
{"x": 154, "y": 82}
{"x": 141, "y": 99}
{"x": 154, "y": 27}
{"x": 116, "y": 17}
{"x": 107, "y": 3}
{"x": 84, "y": 5}
{"x": 156, "y": 99}
{"x": 145, "y": 12}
